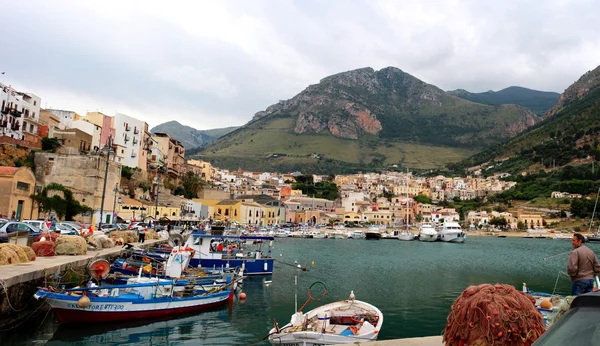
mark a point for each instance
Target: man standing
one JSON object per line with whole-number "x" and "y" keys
{"x": 582, "y": 266}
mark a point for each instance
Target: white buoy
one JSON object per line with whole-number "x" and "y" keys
{"x": 265, "y": 266}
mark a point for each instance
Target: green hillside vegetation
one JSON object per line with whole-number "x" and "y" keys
{"x": 218, "y": 133}
{"x": 269, "y": 144}
{"x": 570, "y": 135}
{"x": 537, "y": 101}
{"x": 324, "y": 128}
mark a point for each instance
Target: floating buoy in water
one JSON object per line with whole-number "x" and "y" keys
{"x": 242, "y": 296}
{"x": 313, "y": 263}
{"x": 83, "y": 302}
{"x": 303, "y": 269}
{"x": 545, "y": 304}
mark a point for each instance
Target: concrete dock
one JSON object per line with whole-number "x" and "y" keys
{"x": 14, "y": 274}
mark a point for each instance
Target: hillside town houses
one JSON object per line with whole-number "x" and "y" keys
{"x": 97, "y": 148}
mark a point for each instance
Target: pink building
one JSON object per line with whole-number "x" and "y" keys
{"x": 106, "y": 122}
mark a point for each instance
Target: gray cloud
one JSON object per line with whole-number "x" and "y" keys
{"x": 215, "y": 63}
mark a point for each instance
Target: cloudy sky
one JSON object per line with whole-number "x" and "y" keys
{"x": 212, "y": 64}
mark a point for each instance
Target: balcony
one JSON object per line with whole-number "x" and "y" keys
{"x": 15, "y": 113}
{"x": 5, "y": 110}
{"x": 133, "y": 154}
{"x": 136, "y": 131}
{"x": 126, "y": 138}
{"x": 135, "y": 141}
{"x": 127, "y": 128}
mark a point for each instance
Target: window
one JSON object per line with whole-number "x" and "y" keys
{"x": 22, "y": 186}
{"x": 34, "y": 103}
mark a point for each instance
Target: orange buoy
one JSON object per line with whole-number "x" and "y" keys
{"x": 83, "y": 302}
{"x": 545, "y": 304}
{"x": 242, "y": 296}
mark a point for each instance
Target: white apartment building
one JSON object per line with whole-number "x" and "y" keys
{"x": 19, "y": 114}
{"x": 349, "y": 199}
{"x": 129, "y": 134}
{"x": 66, "y": 117}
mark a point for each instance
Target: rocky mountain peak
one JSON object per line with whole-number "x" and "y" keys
{"x": 589, "y": 81}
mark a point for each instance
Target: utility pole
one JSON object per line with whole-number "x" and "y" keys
{"x": 107, "y": 149}
{"x": 114, "y": 215}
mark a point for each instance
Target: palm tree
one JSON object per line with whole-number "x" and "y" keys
{"x": 192, "y": 183}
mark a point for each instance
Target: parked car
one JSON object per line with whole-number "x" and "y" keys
{"x": 35, "y": 223}
{"x": 108, "y": 227}
{"x": 64, "y": 229}
{"x": 75, "y": 225}
{"x": 12, "y": 226}
{"x": 137, "y": 226}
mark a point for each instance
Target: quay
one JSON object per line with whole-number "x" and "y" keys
{"x": 18, "y": 282}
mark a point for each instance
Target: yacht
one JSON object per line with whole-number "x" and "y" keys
{"x": 427, "y": 232}
{"x": 452, "y": 232}
{"x": 406, "y": 235}
{"x": 356, "y": 235}
{"x": 373, "y": 233}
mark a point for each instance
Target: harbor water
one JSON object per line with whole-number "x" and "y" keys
{"x": 413, "y": 283}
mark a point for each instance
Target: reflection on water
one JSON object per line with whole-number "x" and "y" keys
{"x": 413, "y": 283}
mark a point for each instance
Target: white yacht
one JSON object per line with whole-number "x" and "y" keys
{"x": 356, "y": 235}
{"x": 452, "y": 232}
{"x": 427, "y": 232}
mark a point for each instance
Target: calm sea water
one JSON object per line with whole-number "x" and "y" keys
{"x": 413, "y": 283}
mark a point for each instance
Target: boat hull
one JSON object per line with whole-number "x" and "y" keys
{"x": 452, "y": 237}
{"x": 428, "y": 237}
{"x": 406, "y": 237}
{"x": 251, "y": 266}
{"x": 107, "y": 309}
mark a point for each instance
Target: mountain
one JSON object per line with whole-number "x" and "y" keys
{"x": 367, "y": 119}
{"x": 538, "y": 102}
{"x": 569, "y": 134}
{"x": 189, "y": 136}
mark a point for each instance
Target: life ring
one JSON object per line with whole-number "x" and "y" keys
{"x": 165, "y": 247}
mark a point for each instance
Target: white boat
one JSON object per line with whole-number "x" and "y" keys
{"x": 406, "y": 235}
{"x": 427, "y": 232}
{"x": 356, "y": 235}
{"x": 344, "y": 322}
{"x": 452, "y": 232}
{"x": 281, "y": 233}
{"x": 338, "y": 234}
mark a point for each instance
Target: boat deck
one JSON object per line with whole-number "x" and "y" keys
{"x": 13, "y": 274}
{"x": 425, "y": 341}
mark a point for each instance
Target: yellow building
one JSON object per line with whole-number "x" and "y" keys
{"x": 227, "y": 210}
{"x": 133, "y": 210}
{"x": 352, "y": 218}
{"x": 250, "y": 213}
{"x": 269, "y": 215}
{"x": 17, "y": 184}
{"x": 379, "y": 217}
{"x": 530, "y": 220}
{"x": 206, "y": 170}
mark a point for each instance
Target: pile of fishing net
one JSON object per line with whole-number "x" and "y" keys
{"x": 151, "y": 234}
{"x": 493, "y": 315}
{"x": 70, "y": 245}
{"x": 44, "y": 248}
{"x": 12, "y": 254}
{"x": 100, "y": 241}
{"x": 124, "y": 236}
{"x": 47, "y": 236}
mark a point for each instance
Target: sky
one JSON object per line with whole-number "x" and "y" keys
{"x": 212, "y": 64}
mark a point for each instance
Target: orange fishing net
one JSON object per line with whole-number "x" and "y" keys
{"x": 493, "y": 315}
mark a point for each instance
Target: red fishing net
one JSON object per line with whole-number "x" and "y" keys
{"x": 493, "y": 315}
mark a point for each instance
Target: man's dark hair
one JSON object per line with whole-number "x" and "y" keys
{"x": 579, "y": 237}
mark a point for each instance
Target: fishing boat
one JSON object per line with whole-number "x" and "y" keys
{"x": 344, "y": 322}
{"x": 427, "y": 232}
{"x": 139, "y": 298}
{"x": 245, "y": 252}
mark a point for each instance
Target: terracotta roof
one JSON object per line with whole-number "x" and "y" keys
{"x": 6, "y": 170}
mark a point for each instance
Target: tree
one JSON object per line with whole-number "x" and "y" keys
{"x": 419, "y": 217}
{"x": 65, "y": 206}
{"x": 422, "y": 199}
{"x": 50, "y": 144}
{"x": 498, "y": 221}
{"x": 192, "y": 184}
{"x": 520, "y": 225}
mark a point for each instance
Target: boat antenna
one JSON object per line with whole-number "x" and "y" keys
{"x": 594, "y": 212}
{"x": 296, "y": 286}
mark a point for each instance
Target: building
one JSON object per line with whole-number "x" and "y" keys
{"x": 205, "y": 169}
{"x": 66, "y": 118}
{"x": 19, "y": 115}
{"x": 129, "y": 134}
{"x": 48, "y": 122}
{"x": 105, "y": 122}
{"x": 84, "y": 176}
{"x": 172, "y": 152}
{"x": 17, "y": 184}
{"x": 91, "y": 129}
{"x": 74, "y": 138}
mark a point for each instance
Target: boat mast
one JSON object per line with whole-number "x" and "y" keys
{"x": 594, "y": 212}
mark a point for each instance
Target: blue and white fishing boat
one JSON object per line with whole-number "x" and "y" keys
{"x": 237, "y": 251}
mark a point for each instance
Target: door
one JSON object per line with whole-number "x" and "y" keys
{"x": 19, "y": 210}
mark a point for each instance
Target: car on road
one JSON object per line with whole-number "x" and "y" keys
{"x": 12, "y": 226}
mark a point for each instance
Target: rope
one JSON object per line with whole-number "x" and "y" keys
{"x": 557, "y": 277}
{"x": 310, "y": 297}
{"x": 5, "y": 290}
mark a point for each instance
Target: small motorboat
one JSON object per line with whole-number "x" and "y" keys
{"x": 343, "y": 322}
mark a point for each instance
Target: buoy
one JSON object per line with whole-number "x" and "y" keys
{"x": 313, "y": 263}
{"x": 303, "y": 269}
{"x": 83, "y": 302}
{"x": 545, "y": 304}
{"x": 242, "y": 296}
{"x": 266, "y": 266}
{"x": 280, "y": 255}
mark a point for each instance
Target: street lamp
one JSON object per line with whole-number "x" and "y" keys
{"x": 114, "y": 215}
{"x": 106, "y": 150}
{"x": 158, "y": 171}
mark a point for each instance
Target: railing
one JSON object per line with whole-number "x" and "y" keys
{"x": 127, "y": 128}
{"x": 133, "y": 154}
{"x": 15, "y": 113}
{"x": 126, "y": 138}
{"x": 136, "y": 131}
{"x": 135, "y": 141}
